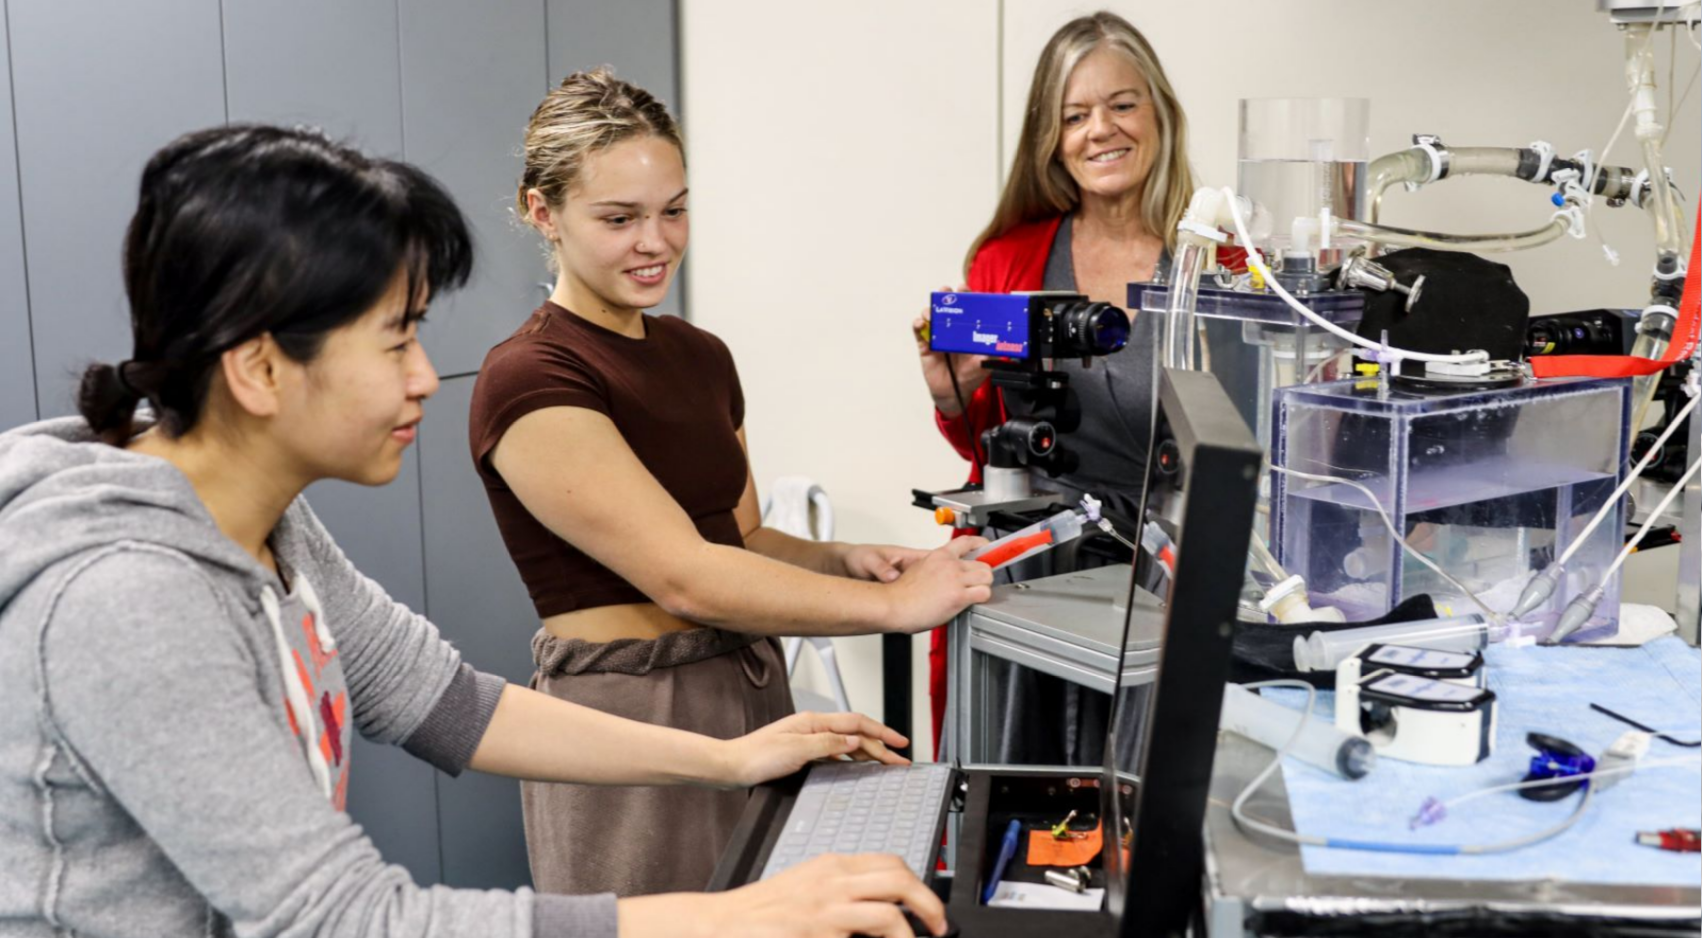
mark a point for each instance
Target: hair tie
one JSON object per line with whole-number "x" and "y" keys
{"x": 124, "y": 383}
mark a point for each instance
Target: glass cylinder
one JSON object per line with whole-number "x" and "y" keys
{"x": 1301, "y": 156}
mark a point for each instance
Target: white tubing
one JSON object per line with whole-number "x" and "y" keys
{"x": 1388, "y": 352}
{"x": 1631, "y": 545}
{"x": 1631, "y": 479}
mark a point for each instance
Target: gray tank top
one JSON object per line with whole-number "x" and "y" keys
{"x": 1116, "y": 395}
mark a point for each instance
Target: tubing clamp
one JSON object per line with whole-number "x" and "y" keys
{"x": 1587, "y": 181}
{"x": 1640, "y": 185}
{"x": 1545, "y": 159}
{"x": 1641, "y": 189}
{"x": 1574, "y": 215}
{"x": 1432, "y": 146}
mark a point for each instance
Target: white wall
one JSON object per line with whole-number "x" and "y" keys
{"x": 843, "y": 155}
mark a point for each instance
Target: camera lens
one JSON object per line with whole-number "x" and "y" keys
{"x": 1570, "y": 336}
{"x": 1090, "y": 329}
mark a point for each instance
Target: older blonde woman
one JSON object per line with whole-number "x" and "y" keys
{"x": 1099, "y": 182}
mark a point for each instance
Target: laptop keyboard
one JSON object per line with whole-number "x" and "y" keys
{"x": 866, "y": 807}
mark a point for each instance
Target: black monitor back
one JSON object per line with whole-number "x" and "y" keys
{"x": 1216, "y": 487}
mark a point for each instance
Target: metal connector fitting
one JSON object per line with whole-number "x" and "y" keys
{"x": 1362, "y": 273}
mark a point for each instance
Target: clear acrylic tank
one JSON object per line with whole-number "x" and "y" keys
{"x": 1490, "y": 485}
{"x": 1255, "y": 343}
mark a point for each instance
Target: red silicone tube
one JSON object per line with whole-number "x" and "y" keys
{"x": 1013, "y": 549}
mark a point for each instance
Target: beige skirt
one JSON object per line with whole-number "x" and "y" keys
{"x": 635, "y": 841}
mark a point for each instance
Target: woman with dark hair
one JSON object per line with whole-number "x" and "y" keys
{"x": 185, "y": 653}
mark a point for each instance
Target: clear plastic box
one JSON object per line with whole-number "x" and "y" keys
{"x": 1255, "y": 343}
{"x": 1490, "y": 485}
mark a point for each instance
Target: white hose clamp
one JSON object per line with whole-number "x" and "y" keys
{"x": 1588, "y": 160}
{"x": 1204, "y": 231}
{"x": 1432, "y": 147}
{"x": 1641, "y": 181}
{"x": 1657, "y": 321}
{"x": 1573, "y": 198}
{"x": 1545, "y": 153}
{"x": 1574, "y": 215}
{"x": 1637, "y": 184}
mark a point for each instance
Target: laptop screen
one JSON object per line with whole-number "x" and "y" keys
{"x": 1202, "y": 488}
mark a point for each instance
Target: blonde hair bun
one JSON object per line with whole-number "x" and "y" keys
{"x": 588, "y": 112}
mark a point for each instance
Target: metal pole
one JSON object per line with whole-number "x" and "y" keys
{"x": 1690, "y": 558}
{"x": 895, "y": 685}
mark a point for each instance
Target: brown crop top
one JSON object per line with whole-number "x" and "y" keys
{"x": 674, "y": 395}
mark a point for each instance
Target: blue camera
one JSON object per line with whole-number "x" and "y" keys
{"x": 1025, "y": 326}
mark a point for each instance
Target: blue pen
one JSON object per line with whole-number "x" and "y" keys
{"x": 1006, "y": 851}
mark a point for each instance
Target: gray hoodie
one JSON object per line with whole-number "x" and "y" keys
{"x": 175, "y": 718}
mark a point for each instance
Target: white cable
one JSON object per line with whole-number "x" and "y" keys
{"x": 1245, "y": 823}
{"x": 1236, "y": 815}
{"x": 1590, "y": 185}
{"x": 1390, "y": 353}
{"x": 1688, "y": 87}
{"x": 1631, "y": 545}
{"x": 1637, "y": 471}
{"x": 1630, "y": 105}
{"x": 1495, "y": 618}
{"x": 1562, "y": 780}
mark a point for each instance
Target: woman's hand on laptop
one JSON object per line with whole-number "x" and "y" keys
{"x": 788, "y": 744}
{"x": 833, "y": 896}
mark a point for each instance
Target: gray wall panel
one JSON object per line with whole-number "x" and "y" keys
{"x": 476, "y": 597}
{"x": 17, "y": 363}
{"x": 96, "y": 95}
{"x": 639, "y": 38}
{"x": 326, "y": 63}
{"x": 472, "y": 74}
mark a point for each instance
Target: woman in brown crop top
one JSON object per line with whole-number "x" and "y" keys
{"x": 612, "y": 447}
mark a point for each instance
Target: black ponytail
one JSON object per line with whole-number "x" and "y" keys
{"x": 246, "y": 230}
{"x": 108, "y": 402}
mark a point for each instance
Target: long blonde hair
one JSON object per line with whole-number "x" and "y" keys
{"x": 1039, "y": 186}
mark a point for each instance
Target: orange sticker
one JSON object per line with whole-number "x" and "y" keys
{"x": 1079, "y": 849}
